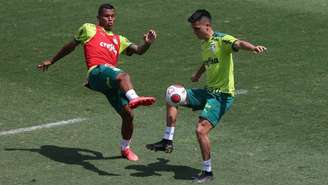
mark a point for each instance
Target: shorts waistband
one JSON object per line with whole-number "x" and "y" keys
{"x": 95, "y": 66}
{"x": 218, "y": 91}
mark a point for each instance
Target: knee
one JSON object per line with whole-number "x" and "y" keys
{"x": 171, "y": 119}
{"x": 127, "y": 116}
{"x": 123, "y": 76}
{"x": 172, "y": 112}
{"x": 203, "y": 128}
{"x": 200, "y": 131}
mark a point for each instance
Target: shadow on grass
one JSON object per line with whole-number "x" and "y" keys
{"x": 180, "y": 172}
{"x": 72, "y": 156}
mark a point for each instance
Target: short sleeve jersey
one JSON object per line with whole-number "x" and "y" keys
{"x": 217, "y": 57}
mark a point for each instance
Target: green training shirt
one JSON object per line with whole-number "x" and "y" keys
{"x": 217, "y": 57}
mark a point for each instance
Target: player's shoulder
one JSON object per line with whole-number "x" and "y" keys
{"x": 123, "y": 38}
{"x": 88, "y": 26}
{"x": 224, "y": 37}
{"x": 85, "y": 32}
{"x": 119, "y": 34}
{"x": 219, "y": 34}
{"x": 115, "y": 34}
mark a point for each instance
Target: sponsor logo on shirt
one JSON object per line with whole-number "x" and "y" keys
{"x": 109, "y": 46}
{"x": 211, "y": 60}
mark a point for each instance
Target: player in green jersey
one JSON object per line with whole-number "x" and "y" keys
{"x": 217, "y": 97}
{"x": 101, "y": 50}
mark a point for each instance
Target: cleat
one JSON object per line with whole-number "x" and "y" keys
{"x": 142, "y": 100}
{"x": 204, "y": 176}
{"x": 129, "y": 154}
{"x": 163, "y": 145}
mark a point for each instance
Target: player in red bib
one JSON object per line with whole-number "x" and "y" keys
{"x": 101, "y": 51}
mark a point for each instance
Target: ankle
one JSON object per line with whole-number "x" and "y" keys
{"x": 167, "y": 141}
{"x": 131, "y": 94}
{"x": 208, "y": 172}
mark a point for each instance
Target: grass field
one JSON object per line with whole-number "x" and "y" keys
{"x": 276, "y": 134}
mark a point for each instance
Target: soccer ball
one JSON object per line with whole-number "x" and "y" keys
{"x": 176, "y": 95}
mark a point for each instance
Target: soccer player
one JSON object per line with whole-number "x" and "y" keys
{"x": 101, "y": 51}
{"x": 217, "y": 97}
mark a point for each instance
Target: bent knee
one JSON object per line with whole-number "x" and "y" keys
{"x": 122, "y": 76}
{"x": 200, "y": 131}
{"x": 171, "y": 119}
{"x": 203, "y": 128}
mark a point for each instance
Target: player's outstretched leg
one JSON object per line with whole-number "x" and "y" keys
{"x": 134, "y": 100}
{"x": 142, "y": 100}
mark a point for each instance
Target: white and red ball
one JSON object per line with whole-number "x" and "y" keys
{"x": 176, "y": 95}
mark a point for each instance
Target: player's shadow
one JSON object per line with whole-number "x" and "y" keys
{"x": 72, "y": 156}
{"x": 180, "y": 172}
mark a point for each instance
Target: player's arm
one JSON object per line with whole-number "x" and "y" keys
{"x": 196, "y": 76}
{"x": 140, "y": 49}
{"x": 244, "y": 45}
{"x": 65, "y": 50}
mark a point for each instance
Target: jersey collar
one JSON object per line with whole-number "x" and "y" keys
{"x": 108, "y": 32}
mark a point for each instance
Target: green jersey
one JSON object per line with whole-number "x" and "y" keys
{"x": 217, "y": 57}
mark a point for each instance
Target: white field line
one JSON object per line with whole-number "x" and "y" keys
{"x": 37, "y": 127}
{"x": 241, "y": 91}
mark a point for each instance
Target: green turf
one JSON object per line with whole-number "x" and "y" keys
{"x": 274, "y": 135}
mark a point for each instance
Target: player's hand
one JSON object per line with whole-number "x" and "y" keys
{"x": 44, "y": 65}
{"x": 195, "y": 78}
{"x": 150, "y": 37}
{"x": 259, "y": 49}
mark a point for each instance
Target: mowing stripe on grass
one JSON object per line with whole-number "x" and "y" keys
{"x": 37, "y": 127}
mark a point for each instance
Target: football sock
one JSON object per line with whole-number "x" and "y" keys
{"x": 169, "y": 133}
{"x": 125, "y": 144}
{"x": 131, "y": 94}
{"x": 207, "y": 166}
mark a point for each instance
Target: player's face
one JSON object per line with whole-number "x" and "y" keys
{"x": 201, "y": 29}
{"x": 107, "y": 18}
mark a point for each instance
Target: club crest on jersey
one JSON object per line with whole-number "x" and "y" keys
{"x": 212, "y": 47}
{"x": 109, "y": 46}
{"x": 115, "y": 41}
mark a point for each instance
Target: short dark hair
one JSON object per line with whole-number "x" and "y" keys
{"x": 198, "y": 14}
{"x": 105, "y": 6}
